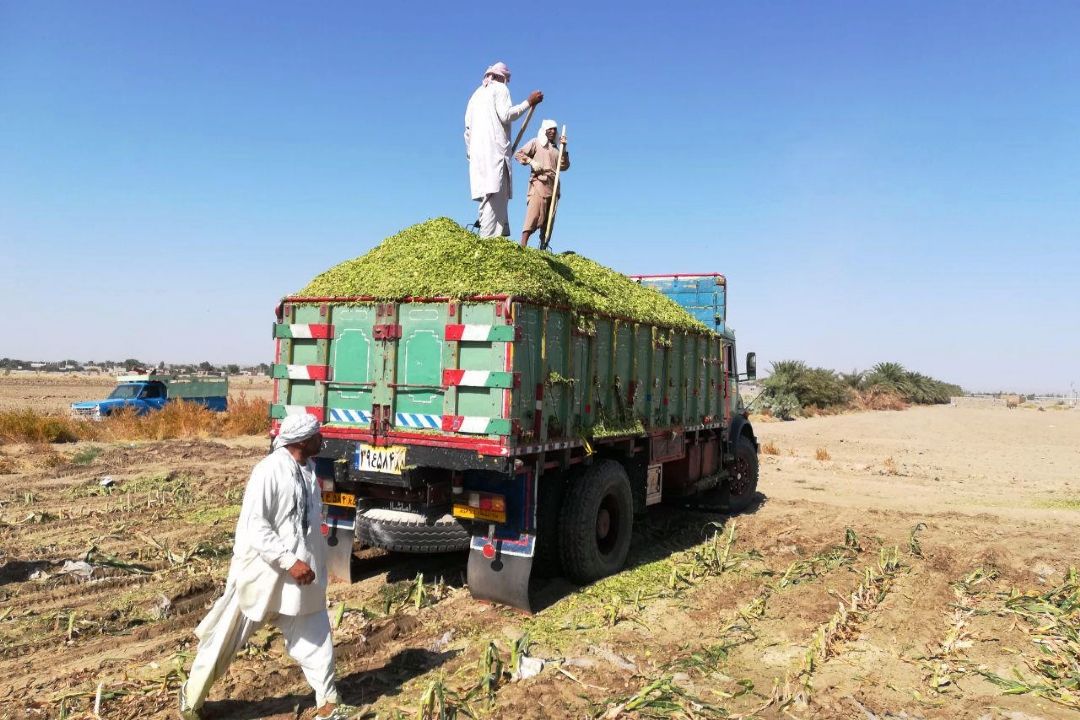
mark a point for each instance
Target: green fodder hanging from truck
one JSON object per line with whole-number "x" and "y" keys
{"x": 439, "y": 258}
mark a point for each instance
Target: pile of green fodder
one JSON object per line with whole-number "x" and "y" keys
{"x": 439, "y": 258}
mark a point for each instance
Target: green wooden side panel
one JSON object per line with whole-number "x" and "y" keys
{"x": 624, "y": 362}
{"x": 643, "y": 351}
{"x": 527, "y": 365}
{"x": 558, "y": 396}
{"x": 602, "y": 371}
{"x": 690, "y": 415}
{"x": 419, "y": 359}
{"x": 582, "y": 345}
{"x": 352, "y": 359}
{"x": 676, "y": 384}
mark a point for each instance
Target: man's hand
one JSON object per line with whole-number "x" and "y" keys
{"x": 563, "y": 140}
{"x": 302, "y": 573}
{"x": 536, "y": 97}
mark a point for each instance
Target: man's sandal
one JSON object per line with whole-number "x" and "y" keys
{"x": 344, "y": 712}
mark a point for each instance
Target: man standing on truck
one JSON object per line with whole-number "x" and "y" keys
{"x": 278, "y": 574}
{"x": 487, "y": 146}
{"x": 542, "y": 155}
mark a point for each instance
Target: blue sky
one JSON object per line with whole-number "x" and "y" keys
{"x": 879, "y": 181}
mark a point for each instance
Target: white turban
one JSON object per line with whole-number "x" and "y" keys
{"x": 499, "y": 69}
{"x": 544, "y": 127}
{"x": 295, "y": 429}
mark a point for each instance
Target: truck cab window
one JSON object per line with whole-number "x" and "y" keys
{"x": 151, "y": 392}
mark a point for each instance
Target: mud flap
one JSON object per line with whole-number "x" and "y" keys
{"x": 340, "y": 532}
{"x": 499, "y": 569}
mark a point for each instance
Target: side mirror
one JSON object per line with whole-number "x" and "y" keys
{"x": 751, "y": 366}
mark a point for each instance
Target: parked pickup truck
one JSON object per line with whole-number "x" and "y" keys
{"x": 144, "y": 393}
{"x": 520, "y": 431}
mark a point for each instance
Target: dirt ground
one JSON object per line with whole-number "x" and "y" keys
{"x": 899, "y": 565}
{"x": 54, "y": 392}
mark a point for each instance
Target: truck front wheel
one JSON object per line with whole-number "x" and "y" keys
{"x": 596, "y": 521}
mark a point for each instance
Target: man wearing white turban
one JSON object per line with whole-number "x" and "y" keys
{"x": 541, "y": 154}
{"x": 278, "y": 574}
{"x": 487, "y": 146}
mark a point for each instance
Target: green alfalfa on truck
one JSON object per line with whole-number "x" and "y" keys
{"x": 518, "y": 403}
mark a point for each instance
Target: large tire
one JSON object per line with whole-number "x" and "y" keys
{"x": 595, "y": 523}
{"x": 410, "y": 533}
{"x": 743, "y": 478}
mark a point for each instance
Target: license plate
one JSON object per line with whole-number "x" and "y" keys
{"x": 343, "y": 499}
{"x": 390, "y": 459}
{"x": 470, "y": 513}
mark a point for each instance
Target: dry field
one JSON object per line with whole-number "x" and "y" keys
{"x": 54, "y": 392}
{"x": 900, "y": 565}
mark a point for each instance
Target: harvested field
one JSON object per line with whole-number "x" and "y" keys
{"x": 54, "y": 392}
{"x": 920, "y": 570}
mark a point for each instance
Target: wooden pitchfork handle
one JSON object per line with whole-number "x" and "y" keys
{"x": 521, "y": 131}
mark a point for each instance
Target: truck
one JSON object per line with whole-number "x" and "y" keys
{"x": 528, "y": 434}
{"x": 152, "y": 391}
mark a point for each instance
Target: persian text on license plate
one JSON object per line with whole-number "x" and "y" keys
{"x": 390, "y": 459}
{"x": 342, "y": 499}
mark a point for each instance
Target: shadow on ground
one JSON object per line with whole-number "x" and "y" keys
{"x": 668, "y": 529}
{"x": 358, "y": 688}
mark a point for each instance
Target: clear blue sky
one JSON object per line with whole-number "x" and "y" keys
{"x": 879, "y": 181}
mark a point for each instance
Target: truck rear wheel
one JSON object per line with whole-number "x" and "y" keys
{"x": 595, "y": 523}
{"x": 410, "y": 532}
{"x": 743, "y": 478}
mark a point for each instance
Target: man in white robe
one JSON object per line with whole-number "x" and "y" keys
{"x": 278, "y": 574}
{"x": 487, "y": 146}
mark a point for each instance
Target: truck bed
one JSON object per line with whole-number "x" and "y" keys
{"x": 497, "y": 375}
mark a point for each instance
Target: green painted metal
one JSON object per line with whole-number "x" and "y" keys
{"x": 590, "y": 371}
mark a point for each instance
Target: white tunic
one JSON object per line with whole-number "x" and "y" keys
{"x": 270, "y": 539}
{"x": 487, "y": 138}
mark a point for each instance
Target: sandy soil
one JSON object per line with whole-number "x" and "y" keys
{"x": 797, "y": 618}
{"x": 54, "y": 392}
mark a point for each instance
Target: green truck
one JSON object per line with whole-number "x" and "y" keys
{"x": 530, "y": 434}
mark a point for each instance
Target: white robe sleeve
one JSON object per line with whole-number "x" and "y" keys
{"x": 505, "y": 111}
{"x": 260, "y": 505}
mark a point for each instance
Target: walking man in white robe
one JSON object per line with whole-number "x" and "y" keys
{"x": 278, "y": 574}
{"x": 487, "y": 146}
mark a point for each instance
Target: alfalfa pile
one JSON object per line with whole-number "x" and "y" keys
{"x": 439, "y": 258}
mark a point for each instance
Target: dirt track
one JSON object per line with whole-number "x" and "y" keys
{"x": 924, "y": 630}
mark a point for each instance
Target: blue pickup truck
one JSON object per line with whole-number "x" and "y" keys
{"x": 144, "y": 393}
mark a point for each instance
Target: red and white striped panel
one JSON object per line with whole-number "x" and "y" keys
{"x": 479, "y": 333}
{"x": 308, "y": 372}
{"x": 318, "y": 412}
{"x": 312, "y": 331}
{"x": 466, "y": 424}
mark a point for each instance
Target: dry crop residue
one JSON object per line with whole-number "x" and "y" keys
{"x": 940, "y": 591}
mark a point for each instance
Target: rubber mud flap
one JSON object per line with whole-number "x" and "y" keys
{"x": 339, "y": 549}
{"x": 503, "y": 577}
